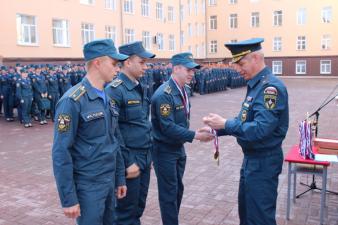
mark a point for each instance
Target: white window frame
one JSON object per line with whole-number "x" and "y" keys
{"x": 300, "y": 65}
{"x": 213, "y": 46}
{"x": 277, "y": 67}
{"x": 160, "y": 41}
{"x": 278, "y": 18}
{"x": 301, "y": 43}
{"x": 87, "y": 32}
{"x": 182, "y": 37}
{"x": 189, "y": 7}
{"x": 159, "y": 10}
{"x": 213, "y": 22}
{"x": 326, "y": 42}
{"x": 27, "y": 30}
{"x": 196, "y": 7}
{"x": 182, "y": 12}
{"x": 87, "y": 2}
{"x": 129, "y": 35}
{"x": 110, "y": 4}
{"x": 301, "y": 16}
{"x": 212, "y": 2}
{"x": 61, "y": 32}
{"x": 190, "y": 32}
{"x": 255, "y": 19}
{"x": 232, "y": 2}
{"x": 325, "y": 66}
{"x": 197, "y": 53}
{"x": 277, "y": 44}
{"x": 233, "y": 21}
{"x": 128, "y": 6}
{"x": 203, "y": 6}
{"x": 327, "y": 14}
{"x": 172, "y": 43}
{"x": 171, "y": 14}
{"x": 145, "y": 8}
{"x": 146, "y": 39}
{"x": 110, "y": 32}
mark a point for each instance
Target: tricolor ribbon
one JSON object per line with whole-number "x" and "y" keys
{"x": 305, "y": 143}
{"x": 216, "y": 144}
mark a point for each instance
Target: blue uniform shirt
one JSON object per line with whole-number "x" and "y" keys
{"x": 264, "y": 118}
{"x": 168, "y": 116}
{"x": 85, "y": 148}
{"x": 133, "y": 104}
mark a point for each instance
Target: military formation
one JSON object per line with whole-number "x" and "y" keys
{"x": 35, "y": 89}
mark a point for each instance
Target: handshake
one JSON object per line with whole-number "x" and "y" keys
{"x": 213, "y": 121}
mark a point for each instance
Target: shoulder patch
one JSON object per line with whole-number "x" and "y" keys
{"x": 270, "y": 97}
{"x": 78, "y": 92}
{"x": 167, "y": 89}
{"x": 63, "y": 123}
{"x": 165, "y": 110}
{"x": 116, "y": 82}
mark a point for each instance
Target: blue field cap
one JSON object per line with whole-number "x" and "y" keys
{"x": 135, "y": 48}
{"x": 184, "y": 59}
{"x": 102, "y": 47}
{"x": 242, "y": 48}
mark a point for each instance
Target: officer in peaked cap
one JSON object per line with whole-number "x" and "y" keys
{"x": 170, "y": 115}
{"x": 260, "y": 129}
{"x": 131, "y": 98}
{"x": 87, "y": 162}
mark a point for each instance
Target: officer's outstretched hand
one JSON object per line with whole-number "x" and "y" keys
{"x": 204, "y": 135}
{"x": 133, "y": 171}
{"x": 72, "y": 212}
{"x": 121, "y": 192}
{"x": 214, "y": 121}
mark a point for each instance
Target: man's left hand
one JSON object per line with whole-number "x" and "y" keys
{"x": 121, "y": 191}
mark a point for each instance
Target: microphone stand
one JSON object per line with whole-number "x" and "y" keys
{"x": 313, "y": 185}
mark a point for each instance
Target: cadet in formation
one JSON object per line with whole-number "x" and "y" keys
{"x": 260, "y": 129}
{"x": 87, "y": 162}
{"x": 170, "y": 115}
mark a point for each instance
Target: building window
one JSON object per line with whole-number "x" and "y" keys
{"x": 196, "y": 7}
{"x": 301, "y": 16}
{"x": 255, "y": 19}
{"x": 278, "y": 18}
{"x": 325, "y": 66}
{"x": 146, "y": 39}
{"x": 203, "y": 6}
{"x": 212, "y": 2}
{"x": 277, "y": 67}
{"x": 110, "y": 32}
{"x": 233, "y": 41}
{"x": 300, "y": 67}
{"x": 182, "y": 40}
{"x": 213, "y": 22}
{"x": 327, "y": 14}
{"x": 196, "y": 29}
{"x": 277, "y": 44}
{"x": 189, "y": 30}
{"x": 326, "y": 42}
{"x": 197, "y": 54}
{"x": 171, "y": 42}
{"x": 301, "y": 43}
{"x": 189, "y": 7}
{"x": 182, "y": 12}
{"x": 129, "y": 35}
{"x": 60, "y": 33}
{"x": 232, "y": 2}
{"x": 159, "y": 11}
{"x": 203, "y": 50}
{"x": 171, "y": 15}
{"x": 26, "y": 30}
{"x": 233, "y": 21}
{"x": 190, "y": 49}
{"x": 202, "y": 29}
{"x": 110, "y": 4}
{"x": 87, "y": 32}
{"x": 213, "y": 46}
{"x": 87, "y": 2}
{"x": 160, "y": 41}
{"x": 128, "y": 6}
{"x": 145, "y": 8}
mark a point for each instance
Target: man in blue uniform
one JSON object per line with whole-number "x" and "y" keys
{"x": 170, "y": 115}
{"x": 132, "y": 100}
{"x": 87, "y": 162}
{"x": 260, "y": 129}
{"x": 24, "y": 92}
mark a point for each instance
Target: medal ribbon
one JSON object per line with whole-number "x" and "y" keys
{"x": 184, "y": 98}
{"x": 216, "y": 145}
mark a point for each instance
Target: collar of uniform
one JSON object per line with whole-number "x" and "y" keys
{"x": 128, "y": 83}
{"x": 90, "y": 89}
{"x": 258, "y": 77}
{"x": 174, "y": 87}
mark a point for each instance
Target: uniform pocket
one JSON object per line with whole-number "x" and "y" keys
{"x": 93, "y": 124}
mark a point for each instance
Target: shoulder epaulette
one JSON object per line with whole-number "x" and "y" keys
{"x": 116, "y": 82}
{"x": 78, "y": 92}
{"x": 167, "y": 89}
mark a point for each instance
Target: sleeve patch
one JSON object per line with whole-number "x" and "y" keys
{"x": 63, "y": 123}
{"x": 165, "y": 110}
{"x": 270, "y": 97}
